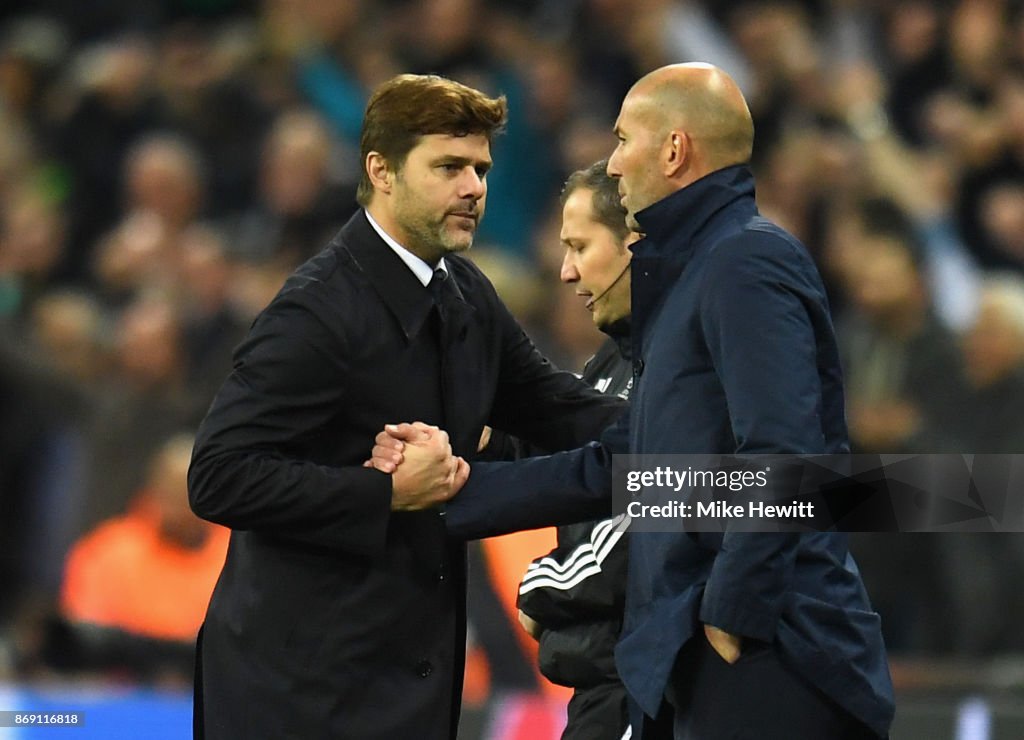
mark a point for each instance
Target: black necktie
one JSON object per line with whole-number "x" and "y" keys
{"x": 436, "y": 286}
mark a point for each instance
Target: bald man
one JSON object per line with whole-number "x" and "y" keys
{"x": 735, "y": 353}
{"x": 734, "y": 635}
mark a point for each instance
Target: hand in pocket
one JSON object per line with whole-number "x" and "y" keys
{"x": 727, "y": 646}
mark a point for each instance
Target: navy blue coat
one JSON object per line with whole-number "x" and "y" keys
{"x": 734, "y": 352}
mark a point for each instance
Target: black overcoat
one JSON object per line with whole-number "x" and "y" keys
{"x": 335, "y": 617}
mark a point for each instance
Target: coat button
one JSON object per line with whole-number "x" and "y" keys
{"x": 638, "y": 367}
{"x": 425, "y": 668}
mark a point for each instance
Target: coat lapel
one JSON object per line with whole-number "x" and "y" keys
{"x": 413, "y": 307}
{"x": 404, "y": 295}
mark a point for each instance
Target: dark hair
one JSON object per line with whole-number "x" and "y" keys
{"x": 881, "y": 216}
{"x": 605, "y": 201}
{"x": 408, "y": 106}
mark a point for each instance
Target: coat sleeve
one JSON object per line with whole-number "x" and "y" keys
{"x": 759, "y": 332}
{"x": 563, "y": 488}
{"x": 579, "y": 581}
{"x": 248, "y": 470}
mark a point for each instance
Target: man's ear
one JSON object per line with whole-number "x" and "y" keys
{"x": 677, "y": 152}
{"x": 381, "y": 176}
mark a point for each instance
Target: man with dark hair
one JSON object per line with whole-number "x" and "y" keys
{"x": 340, "y": 610}
{"x": 734, "y": 634}
{"x": 571, "y": 599}
{"x": 900, "y": 363}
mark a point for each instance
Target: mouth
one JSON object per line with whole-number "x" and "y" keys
{"x": 589, "y": 304}
{"x": 465, "y": 215}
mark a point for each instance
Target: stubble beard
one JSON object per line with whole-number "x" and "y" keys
{"x": 432, "y": 238}
{"x": 631, "y": 221}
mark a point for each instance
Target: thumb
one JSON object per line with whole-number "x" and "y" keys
{"x": 408, "y": 432}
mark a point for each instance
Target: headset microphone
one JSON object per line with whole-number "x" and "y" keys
{"x": 594, "y": 299}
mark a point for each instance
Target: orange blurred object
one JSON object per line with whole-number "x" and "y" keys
{"x": 125, "y": 575}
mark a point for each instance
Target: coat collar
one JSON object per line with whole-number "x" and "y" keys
{"x": 672, "y": 229}
{"x": 672, "y": 223}
{"x": 405, "y": 296}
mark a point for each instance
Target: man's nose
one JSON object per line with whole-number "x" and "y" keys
{"x": 472, "y": 185}
{"x": 612, "y": 170}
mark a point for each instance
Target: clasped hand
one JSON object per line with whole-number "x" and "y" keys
{"x": 424, "y": 472}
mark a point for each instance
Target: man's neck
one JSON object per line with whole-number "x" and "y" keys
{"x": 385, "y": 222}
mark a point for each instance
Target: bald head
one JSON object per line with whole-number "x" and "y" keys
{"x": 678, "y": 124}
{"x": 704, "y": 102}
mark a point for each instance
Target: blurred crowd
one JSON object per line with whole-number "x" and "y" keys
{"x": 164, "y": 164}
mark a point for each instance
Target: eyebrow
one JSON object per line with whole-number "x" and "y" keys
{"x": 463, "y": 161}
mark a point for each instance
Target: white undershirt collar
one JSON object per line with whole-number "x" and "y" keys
{"x": 420, "y": 269}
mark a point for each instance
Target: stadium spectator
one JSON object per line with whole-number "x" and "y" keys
{"x": 992, "y": 418}
{"x": 144, "y": 578}
{"x": 141, "y": 403}
{"x": 900, "y": 363}
{"x": 300, "y": 205}
{"x": 212, "y": 321}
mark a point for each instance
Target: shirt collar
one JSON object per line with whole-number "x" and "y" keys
{"x": 420, "y": 269}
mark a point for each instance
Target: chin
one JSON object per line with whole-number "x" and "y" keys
{"x": 458, "y": 243}
{"x": 605, "y": 321}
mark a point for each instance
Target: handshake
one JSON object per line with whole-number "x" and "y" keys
{"x": 424, "y": 473}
